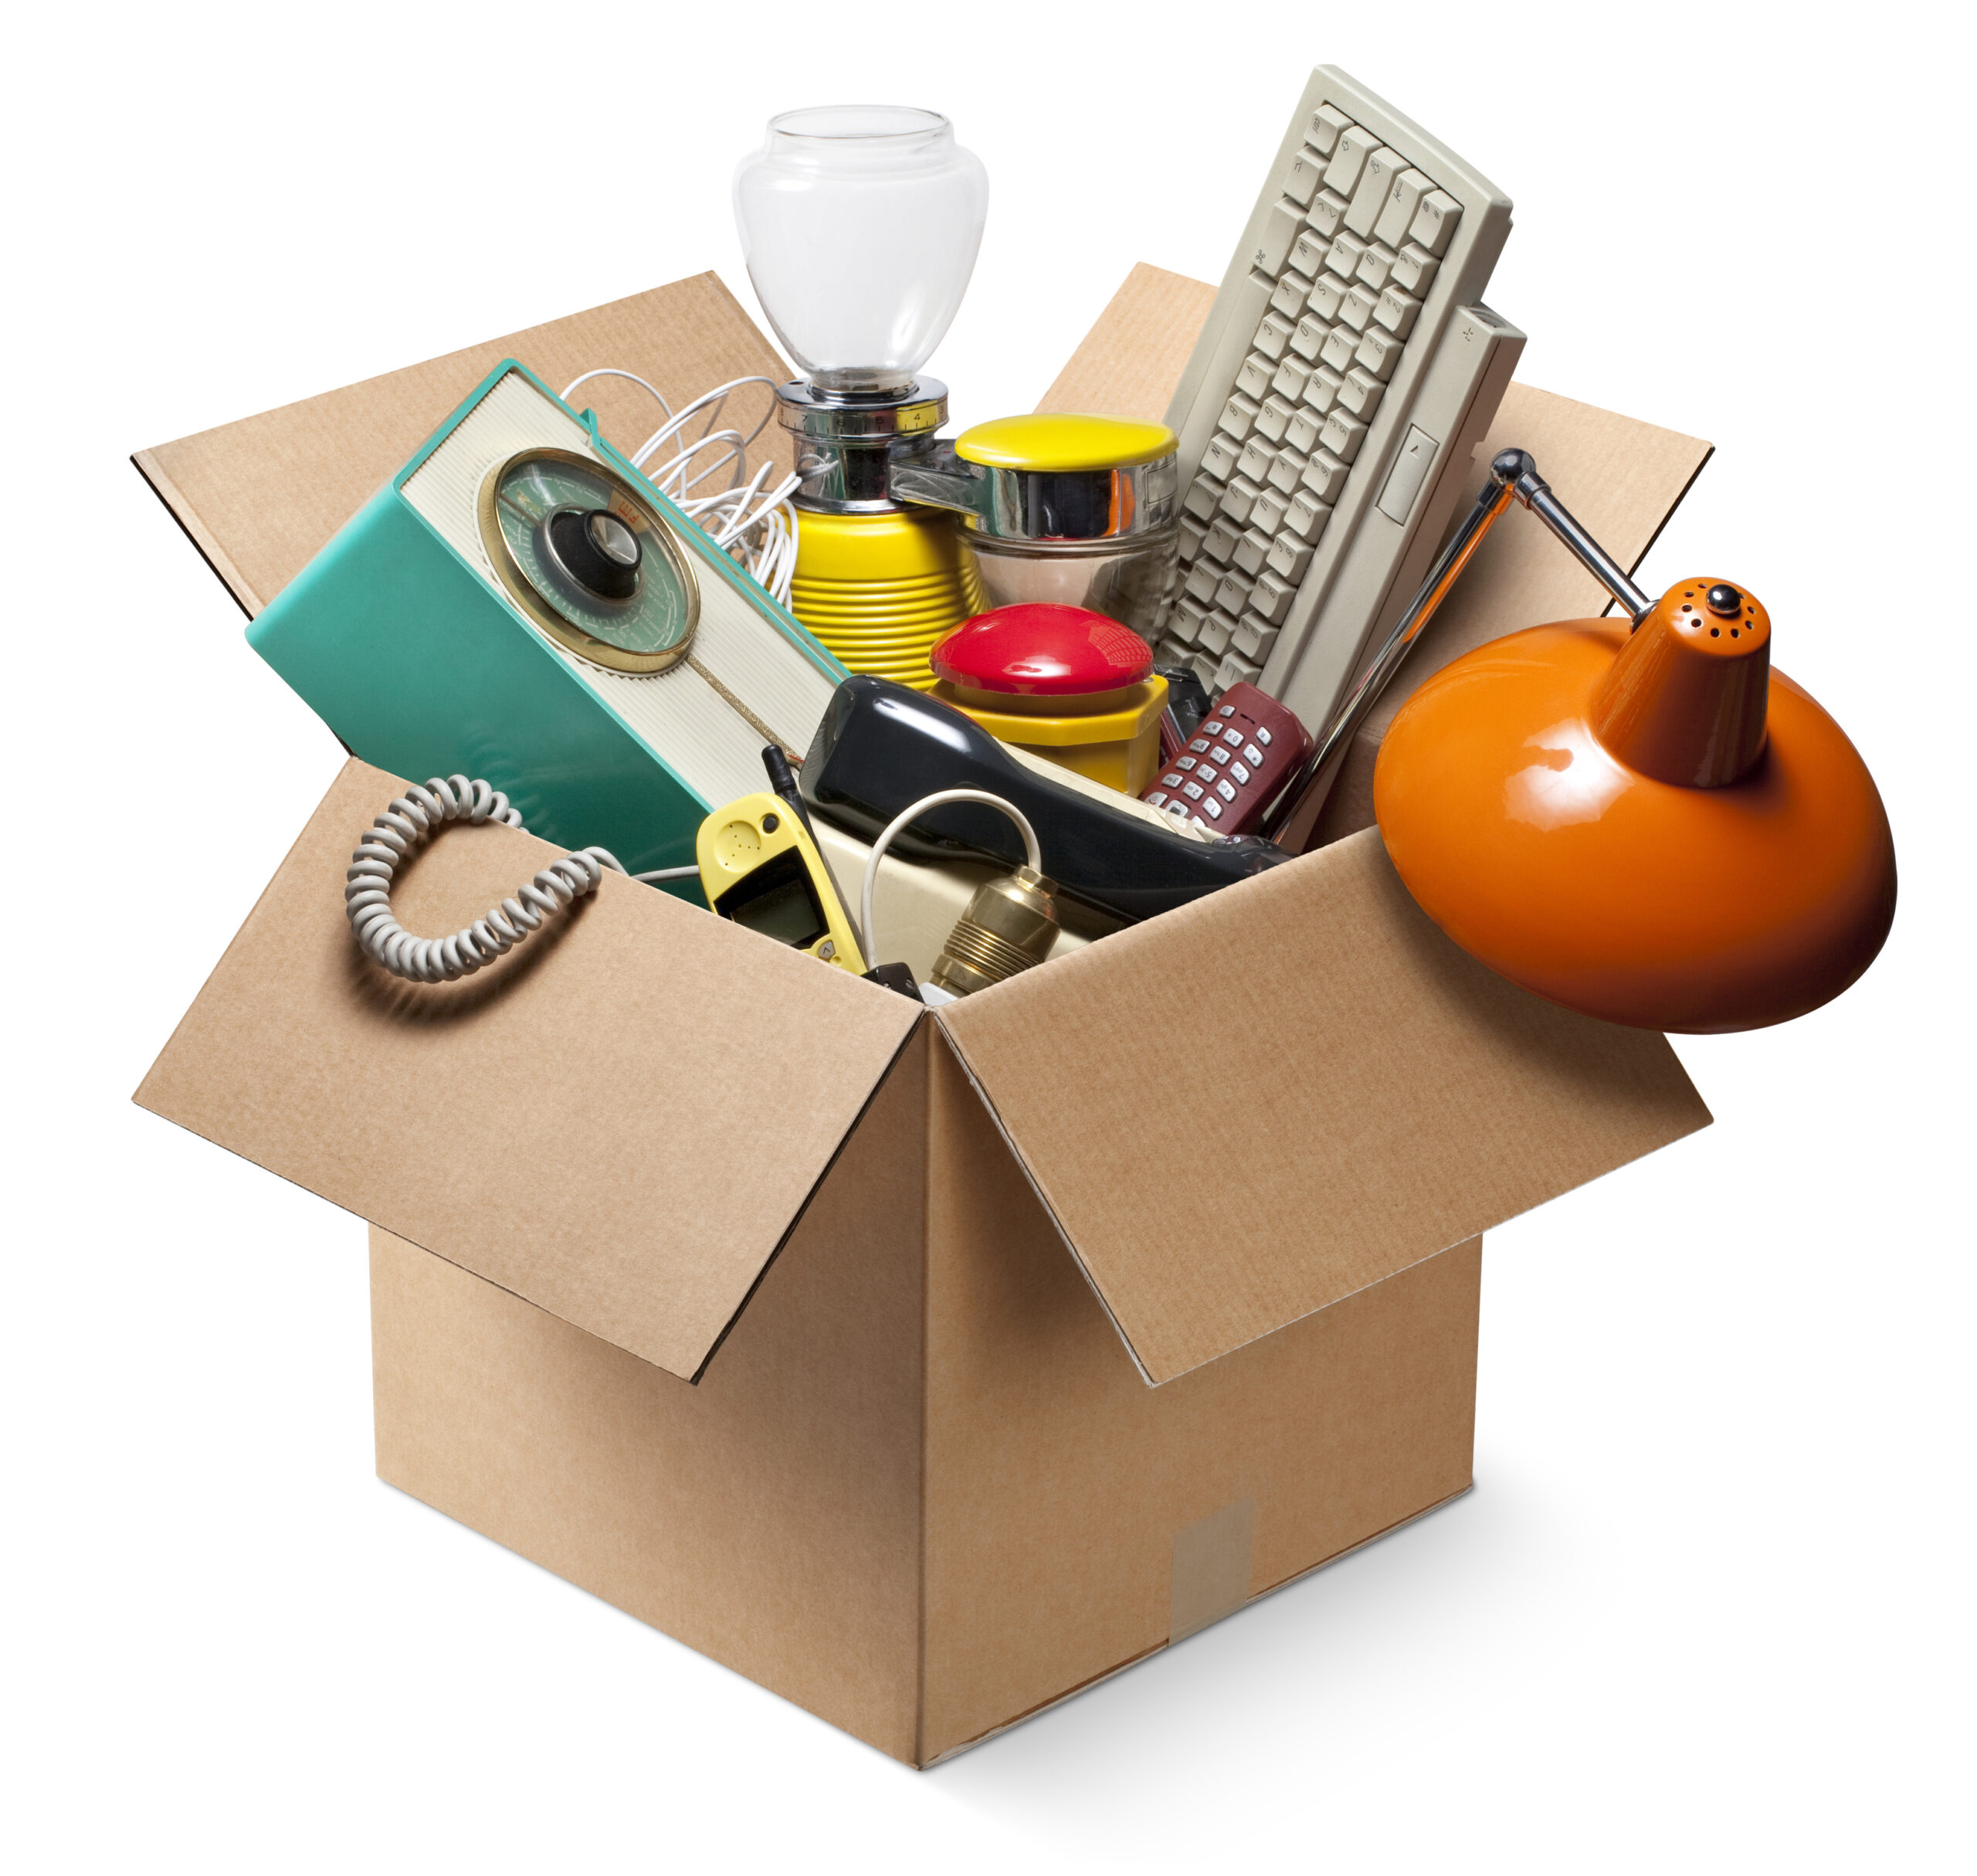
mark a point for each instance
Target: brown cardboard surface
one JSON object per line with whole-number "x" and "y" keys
{"x": 1621, "y": 478}
{"x": 769, "y": 1518}
{"x": 1057, "y": 1482}
{"x": 619, "y": 1122}
{"x": 1132, "y": 359}
{"x": 261, "y": 496}
{"x": 1391, "y": 1096}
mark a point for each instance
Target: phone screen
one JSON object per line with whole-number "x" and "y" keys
{"x": 778, "y": 900}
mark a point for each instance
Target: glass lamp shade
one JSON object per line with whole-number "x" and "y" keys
{"x": 859, "y": 224}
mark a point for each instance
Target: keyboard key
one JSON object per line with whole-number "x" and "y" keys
{"x": 1169, "y": 781}
{"x": 1309, "y": 255}
{"x": 1189, "y": 547}
{"x": 1375, "y": 266}
{"x": 1307, "y": 169}
{"x": 1322, "y": 133}
{"x": 1324, "y": 476}
{"x": 1272, "y": 336}
{"x": 1292, "y": 374}
{"x": 1193, "y": 790}
{"x": 1305, "y": 519}
{"x": 1254, "y": 379}
{"x": 1343, "y": 434}
{"x": 1396, "y": 311}
{"x": 1185, "y": 764}
{"x": 1273, "y": 418}
{"x": 1254, "y": 549}
{"x": 1287, "y": 471}
{"x": 1239, "y": 498}
{"x": 1434, "y": 220}
{"x": 1185, "y": 622}
{"x": 1309, "y": 339}
{"x": 1219, "y": 460}
{"x": 1203, "y": 578}
{"x": 1279, "y": 229}
{"x": 1356, "y": 308}
{"x": 1238, "y": 414}
{"x": 1257, "y": 456}
{"x": 1215, "y": 641}
{"x": 1410, "y": 468}
{"x": 1320, "y": 388}
{"x": 1380, "y": 352}
{"x": 1239, "y": 772}
{"x": 1360, "y": 393}
{"x": 1376, "y": 181}
{"x": 1303, "y": 434}
{"x": 1413, "y": 271}
{"x": 1251, "y": 755}
{"x": 1251, "y": 638}
{"x": 1220, "y": 540}
{"x": 1270, "y": 599}
{"x": 1326, "y": 291}
{"x": 1403, "y": 201}
{"x": 1292, "y": 291}
{"x": 1268, "y": 514}
{"x": 1289, "y": 557}
{"x": 1203, "y": 498}
{"x": 1340, "y": 344}
{"x": 1349, "y": 157}
{"x": 1233, "y": 671}
{"x": 1226, "y": 790}
{"x": 1327, "y": 216}
{"x": 1344, "y": 255}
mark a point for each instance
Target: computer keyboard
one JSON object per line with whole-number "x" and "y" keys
{"x": 1329, "y": 412}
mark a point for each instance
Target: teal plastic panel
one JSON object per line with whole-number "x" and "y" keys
{"x": 420, "y": 667}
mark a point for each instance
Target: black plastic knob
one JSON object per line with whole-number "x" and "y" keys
{"x": 1725, "y": 602}
{"x": 596, "y": 550}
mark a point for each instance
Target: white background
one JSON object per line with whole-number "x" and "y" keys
{"x": 1707, "y": 1606}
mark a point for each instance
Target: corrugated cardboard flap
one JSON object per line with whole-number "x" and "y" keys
{"x": 621, "y": 1121}
{"x": 1248, "y": 1109}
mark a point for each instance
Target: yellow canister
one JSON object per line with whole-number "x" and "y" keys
{"x": 879, "y": 590}
{"x": 1119, "y": 746}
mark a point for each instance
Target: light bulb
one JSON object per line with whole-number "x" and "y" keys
{"x": 859, "y": 224}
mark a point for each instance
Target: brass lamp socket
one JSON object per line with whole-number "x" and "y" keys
{"x": 1010, "y": 924}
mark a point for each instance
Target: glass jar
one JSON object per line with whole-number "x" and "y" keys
{"x": 859, "y": 224}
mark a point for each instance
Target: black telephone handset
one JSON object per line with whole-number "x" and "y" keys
{"x": 881, "y": 747}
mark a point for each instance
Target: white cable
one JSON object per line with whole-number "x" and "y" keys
{"x": 1033, "y": 854}
{"x": 769, "y": 557}
{"x": 405, "y": 826}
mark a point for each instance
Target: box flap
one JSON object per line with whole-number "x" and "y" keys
{"x": 260, "y": 497}
{"x": 1621, "y": 478}
{"x": 1251, "y": 1108}
{"x": 620, "y": 1122}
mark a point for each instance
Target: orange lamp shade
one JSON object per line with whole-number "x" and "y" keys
{"x": 1653, "y": 827}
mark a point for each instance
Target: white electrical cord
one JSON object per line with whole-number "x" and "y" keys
{"x": 1033, "y": 854}
{"x": 405, "y": 826}
{"x": 727, "y": 515}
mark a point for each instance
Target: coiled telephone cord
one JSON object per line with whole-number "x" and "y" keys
{"x": 415, "y": 817}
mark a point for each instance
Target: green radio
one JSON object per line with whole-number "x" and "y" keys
{"x": 519, "y": 603}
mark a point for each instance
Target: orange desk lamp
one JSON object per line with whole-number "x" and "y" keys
{"x": 1646, "y": 823}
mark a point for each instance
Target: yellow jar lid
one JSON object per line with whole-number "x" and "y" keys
{"x": 1053, "y": 442}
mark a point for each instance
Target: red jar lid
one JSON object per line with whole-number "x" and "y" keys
{"x": 1043, "y": 650}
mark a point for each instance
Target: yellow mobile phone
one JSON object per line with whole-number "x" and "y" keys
{"x": 759, "y": 867}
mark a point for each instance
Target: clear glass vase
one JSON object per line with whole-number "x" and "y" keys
{"x": 859, "y": 224}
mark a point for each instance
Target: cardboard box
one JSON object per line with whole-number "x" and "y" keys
{"x": 895, "y": 1358}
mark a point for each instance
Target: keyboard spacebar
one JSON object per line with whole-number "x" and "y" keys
{"x": 1250, "y": 302}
